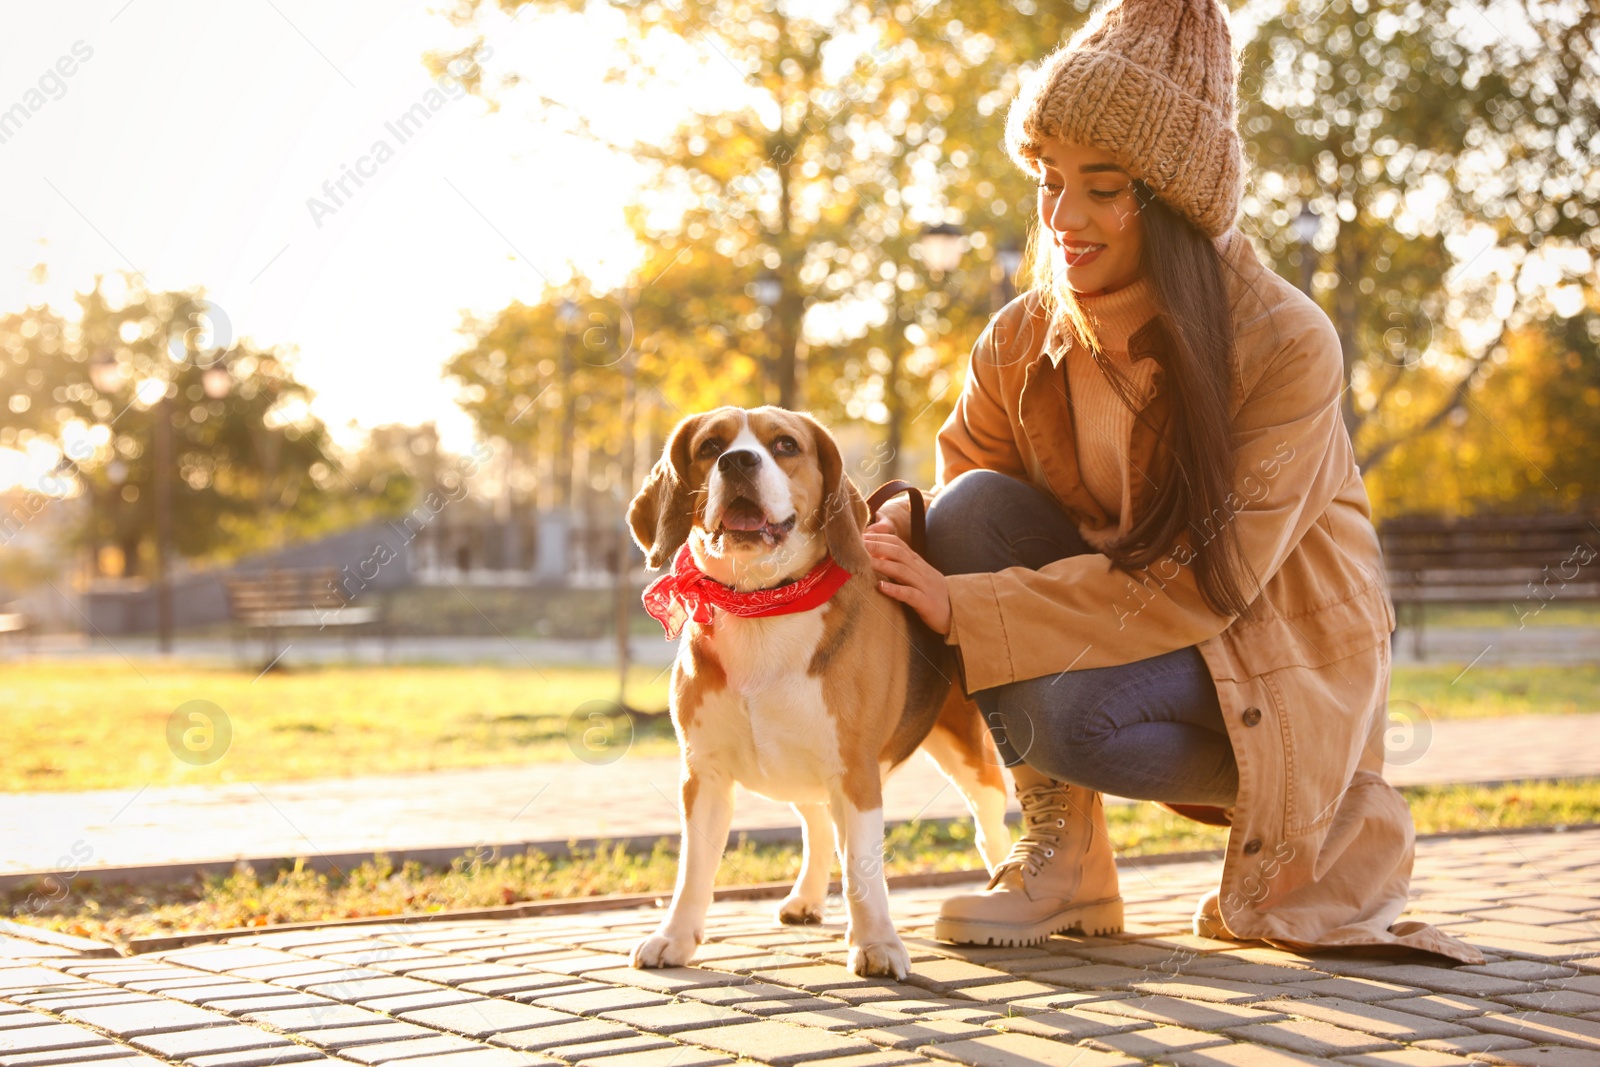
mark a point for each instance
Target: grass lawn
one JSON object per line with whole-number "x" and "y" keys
{"x": 1496, "y": 692}
{"x": 1518, "y": 614}
{"x": 104, "y": 724}
{"x": 378, "y": 887}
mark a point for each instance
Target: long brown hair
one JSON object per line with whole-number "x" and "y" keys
{"x": 1186, "y": 279}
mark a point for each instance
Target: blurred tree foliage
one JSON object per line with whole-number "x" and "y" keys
{"x": 398, "y": 464}
{"x": 1450, "y": 154}
{"x": 851, "y": 137}
{"x": 1453, "y": 155}
{"x": 250, "y": 468}
{"x": 1524, "y": 440}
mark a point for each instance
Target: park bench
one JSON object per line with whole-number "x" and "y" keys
{"x": 13, "y": 624}
{"x": 277, "y": 602}
{"x": 1524, "y": 561}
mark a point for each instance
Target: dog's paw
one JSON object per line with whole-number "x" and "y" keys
{"x": 798, "y": 911}
{"x": 880, "y": 958}
{"x": 663, "y": 950}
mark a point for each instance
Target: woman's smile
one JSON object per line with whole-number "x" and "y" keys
{"x": 1080, "y": 253}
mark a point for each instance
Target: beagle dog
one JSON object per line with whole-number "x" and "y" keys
{"x": 795, "y": 675}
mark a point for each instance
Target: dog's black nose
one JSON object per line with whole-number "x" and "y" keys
{"x": 738, "y": 461}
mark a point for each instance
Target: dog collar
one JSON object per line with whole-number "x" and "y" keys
{"x": 687, "y": 592}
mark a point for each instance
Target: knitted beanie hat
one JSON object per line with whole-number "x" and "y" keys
{"x": 1153, "y": 83}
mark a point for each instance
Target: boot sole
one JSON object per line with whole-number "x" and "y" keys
{"x": 1206, "y": 926}
{"x": 1092, "y": 920}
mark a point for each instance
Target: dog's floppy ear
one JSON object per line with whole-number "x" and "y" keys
{"x": 845, "y": 513}
{"x": 662, "y": 514}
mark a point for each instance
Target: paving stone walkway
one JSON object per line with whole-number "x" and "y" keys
{"x": 557, "y": 989}
{"x": 449, "y": 812}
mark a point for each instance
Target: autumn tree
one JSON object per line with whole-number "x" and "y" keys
{"x": 1454, "y": 166}
{"x": 1427, "y": 143}
{"x": 249, "y": 464}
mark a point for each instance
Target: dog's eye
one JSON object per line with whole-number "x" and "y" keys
{"x": 785, "y": 446}
{"x": 708, "y": 448}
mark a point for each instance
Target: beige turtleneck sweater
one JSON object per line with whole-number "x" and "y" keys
{"x": 1102, "y": 424}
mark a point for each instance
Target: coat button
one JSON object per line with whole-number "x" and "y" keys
{"x": 1252, "y": 846}
{"x": 1251, "y": 716}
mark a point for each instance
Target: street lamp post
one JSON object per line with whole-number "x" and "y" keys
{"x": 1306, "y": 225}
{"x": 625, "y": 601}
{"x": 105, "y": 374}
{"x": 1008, "y": 260}
{"x": 163, "y": 491}
{"x": 567, "y": 316}
{"x": 769, "y": 294}
{"x": 940, "y": 248}
{"x": 217, "y": 382}
{"x": 117, "y": 474}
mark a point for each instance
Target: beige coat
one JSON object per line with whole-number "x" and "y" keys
{"x": 1321, "y": 846}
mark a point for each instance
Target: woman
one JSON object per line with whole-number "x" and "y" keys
{"x": 1148, "y": 539}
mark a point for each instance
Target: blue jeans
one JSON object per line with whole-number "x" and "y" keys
{"x": 1146, "y": 730}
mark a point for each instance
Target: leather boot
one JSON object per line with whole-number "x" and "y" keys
{"x": 1061, "y": 874}
{"x": 1208, "y": 917}
{"x": 1208, "y": 920}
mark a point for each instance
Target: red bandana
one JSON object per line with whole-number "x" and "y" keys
{"x": 687, "y": 592}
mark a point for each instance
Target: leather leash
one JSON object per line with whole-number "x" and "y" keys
{"x": 919, "y": 525}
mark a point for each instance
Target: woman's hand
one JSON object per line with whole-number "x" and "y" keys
{"x": 907, "y": 577}
{"x": 893, "y": 518}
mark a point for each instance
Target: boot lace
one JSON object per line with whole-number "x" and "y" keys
{"x": 1044, "y": 812}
